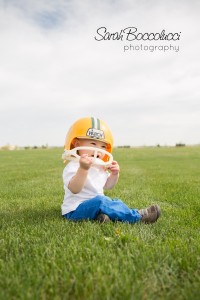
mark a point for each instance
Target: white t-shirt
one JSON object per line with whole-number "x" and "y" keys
{"x": 95, "y": 182}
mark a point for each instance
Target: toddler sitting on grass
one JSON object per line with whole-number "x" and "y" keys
{"x": 86, "y": 177}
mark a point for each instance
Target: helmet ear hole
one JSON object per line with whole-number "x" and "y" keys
{"x": 74, "y": 143}
{"x": 106, "y": 158}
{"x": 71, "y": 146}
{"x": 108, "y": 148}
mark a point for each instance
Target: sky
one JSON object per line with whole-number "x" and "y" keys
{"x": 54, "y": 69}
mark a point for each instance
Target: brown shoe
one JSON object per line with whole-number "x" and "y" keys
{"x": 150, "y": 214}
{"x": 102, "y": 218}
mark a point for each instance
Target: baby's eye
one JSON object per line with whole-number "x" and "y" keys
{"x": 93, "y": 143}
{"x": 104, "y": 147}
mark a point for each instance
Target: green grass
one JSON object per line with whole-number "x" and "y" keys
{"x": 43, "y": 256}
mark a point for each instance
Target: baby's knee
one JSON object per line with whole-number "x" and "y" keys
{"x": 100, "y": 200}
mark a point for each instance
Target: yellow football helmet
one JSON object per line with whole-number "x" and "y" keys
{"x": 90, "y": 128}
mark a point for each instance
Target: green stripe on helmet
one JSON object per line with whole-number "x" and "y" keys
{"x": 98, "y": 124}
{"x": 95, "y": 123}
{"x": 92, "y": 119}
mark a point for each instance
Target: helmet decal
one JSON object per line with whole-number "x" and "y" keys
{"x": 95, "y": 132}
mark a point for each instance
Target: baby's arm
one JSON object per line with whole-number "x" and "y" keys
{"x": 114, "y": 176}
{"x": 77, "y": 182}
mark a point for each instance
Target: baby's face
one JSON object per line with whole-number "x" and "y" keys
{"x": 91, "y": 143}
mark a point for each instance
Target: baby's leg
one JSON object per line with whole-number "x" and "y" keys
{"x": 116, "y": 210}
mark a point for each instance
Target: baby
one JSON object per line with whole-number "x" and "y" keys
{"x": 91, "y": 171}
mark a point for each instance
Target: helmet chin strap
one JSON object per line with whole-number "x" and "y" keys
{"x": 73, "y": 155}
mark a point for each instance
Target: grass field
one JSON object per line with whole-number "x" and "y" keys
{"x": 43, "y": 256}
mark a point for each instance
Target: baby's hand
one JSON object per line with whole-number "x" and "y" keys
{"x": 85, "y": 161}
{"x": 114, "y": 168}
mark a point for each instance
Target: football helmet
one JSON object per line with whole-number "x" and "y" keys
{"x": 90, "y": 128}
